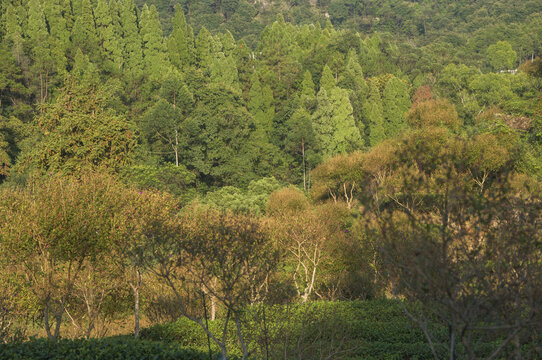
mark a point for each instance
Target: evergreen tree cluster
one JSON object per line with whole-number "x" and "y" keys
{"x": 225, "y": 111}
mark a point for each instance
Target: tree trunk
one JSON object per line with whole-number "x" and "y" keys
{"x": 135, "y": 288}
{"x": 304, "y": 169}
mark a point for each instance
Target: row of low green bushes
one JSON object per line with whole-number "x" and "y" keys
{"x": 371, "y": 330}
{"x": 377, "y": 329}
{"x": 114, "y": 348}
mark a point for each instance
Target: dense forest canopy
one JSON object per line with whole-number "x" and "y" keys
{"x": 184, "y": 86}
{"x": 243, "y": 152}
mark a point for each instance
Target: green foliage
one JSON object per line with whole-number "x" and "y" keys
{"x": 168, "y": 177}
{"x": 251, "y": 201}
{"x": 84, "y": 35}
{"x": 501, "y": 56}
{"x": 133, "y": 50}
{"x": 376, "y": 329}
{"x": 216, "y": 138}
{"x": 327, "y": 81}
{"x": 11, "y": 131}
{"x": 334, "y": 125}
{"x": 79, "y": 132}
{"x": 395, "y": 104}
{"x": 261, "y": 104}
{"x": 121, "y": 348}
{"x": 373, "y": 115}
{"x": 154, "y": 49}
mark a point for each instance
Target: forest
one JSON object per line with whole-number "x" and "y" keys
{"x": 270, "y": 179}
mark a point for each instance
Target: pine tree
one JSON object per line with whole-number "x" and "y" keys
{"x": 84, "y": 34}
{"x": 327, "y": 81}
{"x": 154, "y": 51}
{"x": 307, "y": 86}
{"x": 107, "y": 38}
{"x": 329, "y": 29}
{"x": 395, "y": 103}
{"x": 223, "y": 71}
{"x": 14, "y": 33}
{"x": 260, "y": 104}
{"x": 40, "y": 50}
{"x": 163, "y": 121}
{"x": 204, "y": 42}
{"x": 353, "y": 80}
{"x": 57, "y": 17}
{"x": 334, "y": 125}
{"x": 117, "y": 49}
{"x": 228, "y": 43}
{"x": 181, "y": 41}
{"x": 373, "y": 117}
{"x": 83, "y": 70}
{"x": 300, "y": 142}
{"x": 133, "y": 50}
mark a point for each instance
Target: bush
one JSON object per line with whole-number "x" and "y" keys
{"x": 376, "y": 329}
{"x": 114, "y": 348}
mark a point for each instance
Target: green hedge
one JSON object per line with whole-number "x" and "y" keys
{"x": 114, "y": 348}
{"x": 376, "y": 329}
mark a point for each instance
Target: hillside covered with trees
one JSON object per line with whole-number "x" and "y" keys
{"x": 259, "y": 178}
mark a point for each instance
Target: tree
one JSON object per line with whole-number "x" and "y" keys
{"x": 308, "y": 94}
{"x": 83, "y": 70}
{"x": 181, "y": 41}
{"x": 333, "y": 123}
{"x": 301, "y": 140}
{"x": 501, "y": 56}
{"x": 373, "y": 114}
{"x": 439, "y": 112}
{"x": 163, "y": 122}
{"x": 84, "y": 35}
{"x": 148, "y": 232}
{"x": 261, "y": 104}
{"x": 11, "y": 131}
{"x": 204, "y": 42}
{"x": 133, "y": 49}
{"x": 58, "y": 18}
{"x": 224, "y": 71}
{"x": 41, "y": 52}
{"x": 217, "y": 138}
{"x": 327, "y": 81}
{"x": 79, "y": 132}
{"x": 107, "y": 36}
{"x": 395, "y": 104}
{"x": 51, "y": 246}
{"x": 154, "y": 50}
{"x": 14, "y": 32}
{"x": 451, "y": 247}
{"x": 352, "y": 79}
{"x": 229, "y": 257}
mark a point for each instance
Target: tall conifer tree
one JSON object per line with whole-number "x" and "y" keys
{"x": 204, "y": 42}
{"x": 154, "y": 50}
{"x": 181, "y": 41}
{"x": 84, "y": 34}
{"x": 107, "y": 37}
{"x": 374, "y": 117}
{"x": 41, "y": 52}
{"x": 133, "y": 50}
{"x": 260, "y": 104}
{"x": 14, "y": 32}
{"x": 395, "y": 103}
{"x": 57, "y": 15}
{"x": 334, "y": 125}
{"x": 353, "y": 80}
{"x": 327, "y": 81}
